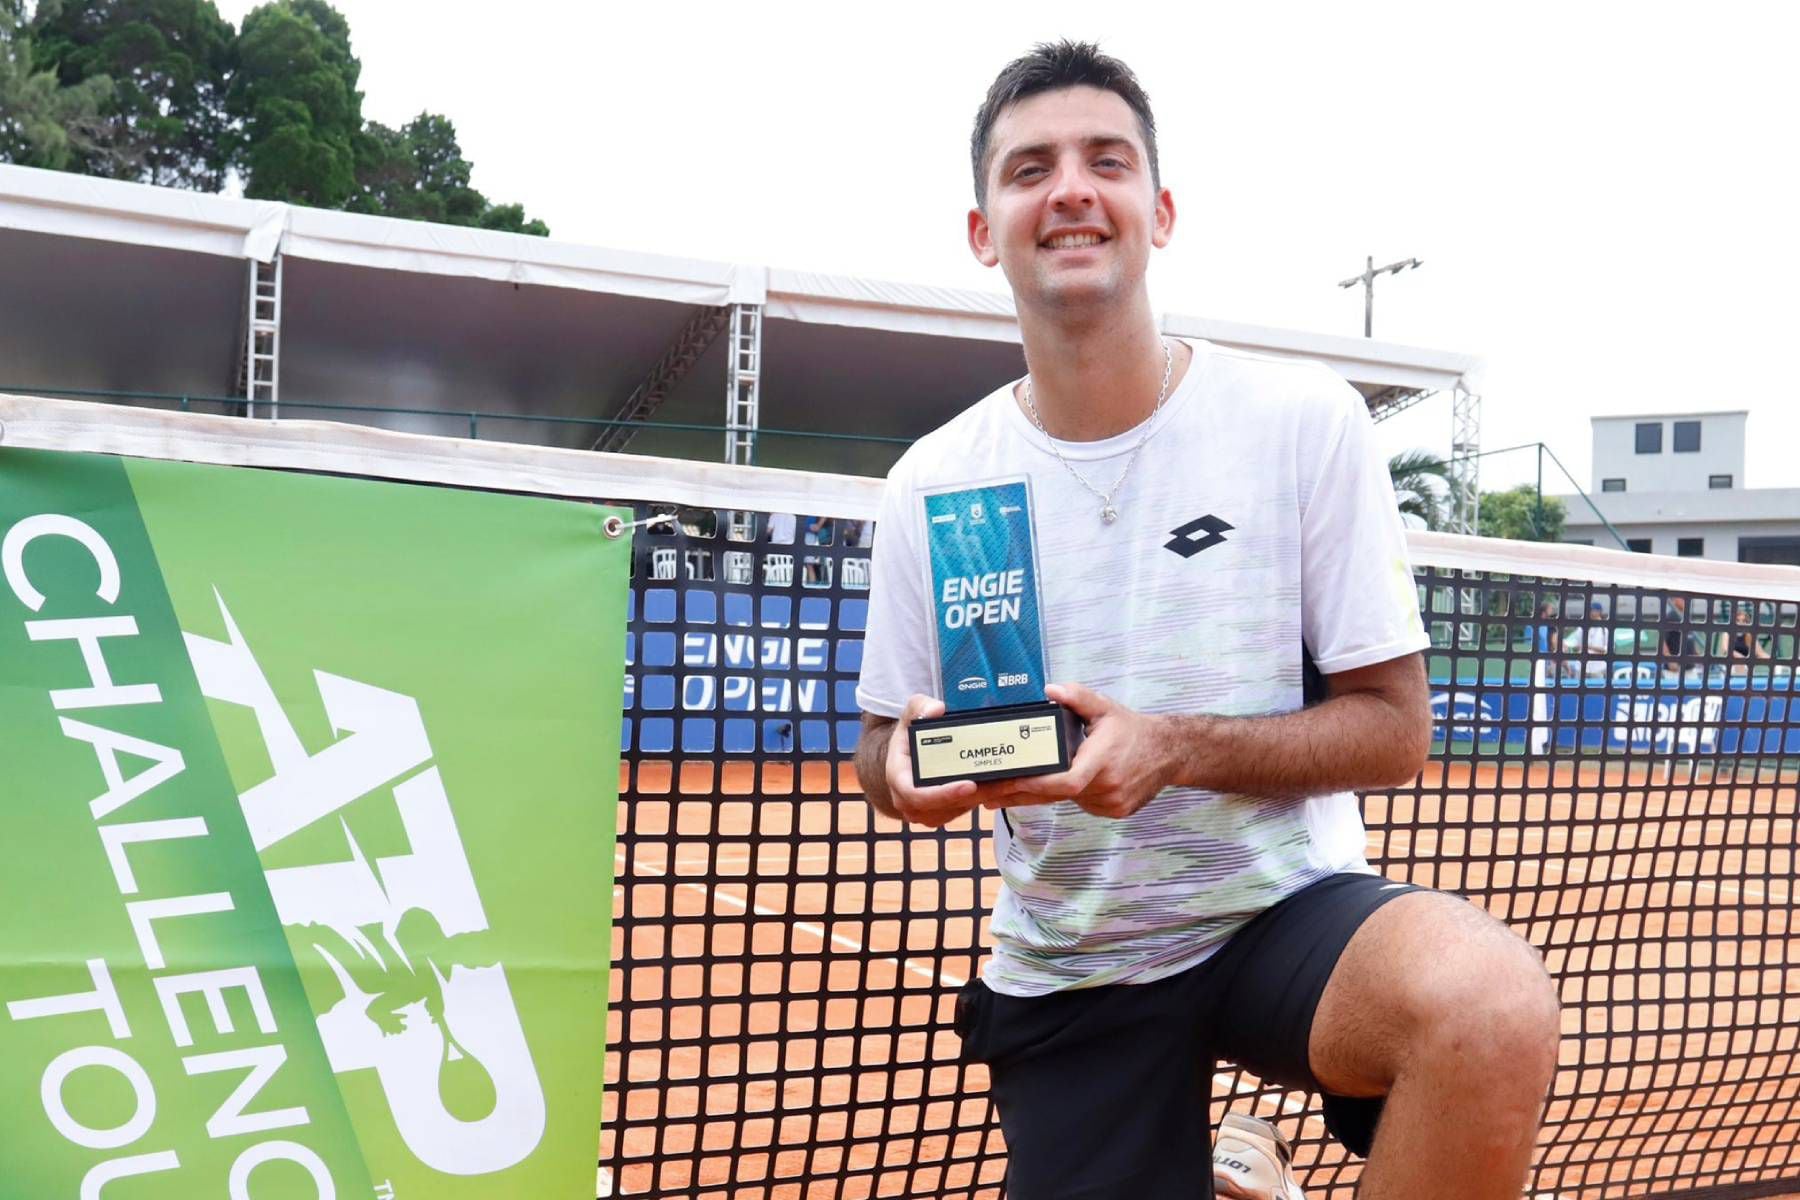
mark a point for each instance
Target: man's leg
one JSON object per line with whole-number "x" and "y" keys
{"x": 1102, "y": 1092}
{"x": 1450, "y": 1015}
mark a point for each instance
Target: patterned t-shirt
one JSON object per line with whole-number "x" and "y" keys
{"x": 1259, "y": 517}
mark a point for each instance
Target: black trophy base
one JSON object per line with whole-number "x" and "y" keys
{"x": 985, "y": 744}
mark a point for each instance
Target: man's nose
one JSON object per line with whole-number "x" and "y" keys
{"x": 1071, "y": 189}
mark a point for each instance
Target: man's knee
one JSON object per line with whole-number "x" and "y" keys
{"x": 1495, "y": 1014}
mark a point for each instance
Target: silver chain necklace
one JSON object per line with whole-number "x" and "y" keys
{"x": 1108, "y": 513}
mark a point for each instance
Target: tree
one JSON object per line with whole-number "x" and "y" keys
{"x": 419, "y": 172}
{"x": 1421, "y": 484}
{"x": 165, "y": 121}
{"x": 510, "y": 218}
{"x": 163, "y": 91}
{"x": 295, "y": 92}
{"x": 42, "y": 124}
{"x": 1515, "y": 514}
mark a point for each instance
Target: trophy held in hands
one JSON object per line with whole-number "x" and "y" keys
{"x": 987, "y": 628}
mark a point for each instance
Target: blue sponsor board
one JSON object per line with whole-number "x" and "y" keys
{"x": 984, "y": 589}
{"x": 1632, "y": 707}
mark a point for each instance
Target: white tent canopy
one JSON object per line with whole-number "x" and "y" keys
{"x": 137, "y": 289}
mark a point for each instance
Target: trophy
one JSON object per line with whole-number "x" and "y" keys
{"x": 981, "y": 570}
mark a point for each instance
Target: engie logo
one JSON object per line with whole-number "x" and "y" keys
{"x": 402, "y": 934}
{"x": 972, "y": 683}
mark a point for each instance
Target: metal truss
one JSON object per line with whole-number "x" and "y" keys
{"x": 1465, "y": 462}
{"x": 701, "y": 330}
{"x": 743, "y": 383}
{"x": 259, "y": 361}
{"x": 1388, "y": 401}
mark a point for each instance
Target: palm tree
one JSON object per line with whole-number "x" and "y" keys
{"x": 1422, "y": 485}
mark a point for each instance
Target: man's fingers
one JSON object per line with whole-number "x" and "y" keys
{"x": 1083, "y": 702}
{"x": 940, "y": 794}
{"x": 921, "y": 708}
{"x": 917, "y": 708}
{"x": 1044, "y": 787}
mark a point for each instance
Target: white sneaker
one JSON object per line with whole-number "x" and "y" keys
{"x": 1252, "y": 1161}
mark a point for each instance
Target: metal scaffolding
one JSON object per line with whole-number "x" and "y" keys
{"x": 743, "y": 383}
{"x": 702, "y": 329}
{"x": 259, "y": 366}
{"x": 1465, "y": 462}
{"x": 1391, "y": 401}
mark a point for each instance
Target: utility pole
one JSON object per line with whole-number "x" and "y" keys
{"x": 1367, "y": 279}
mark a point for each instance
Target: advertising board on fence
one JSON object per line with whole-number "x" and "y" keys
{"x": 1631, "y": 708}
{"x": 307, "y": 789}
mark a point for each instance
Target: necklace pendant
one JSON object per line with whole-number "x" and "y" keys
{"x": 1108, "y": 514}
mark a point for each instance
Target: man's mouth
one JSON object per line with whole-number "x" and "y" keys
{"x": 1072, "y": 241}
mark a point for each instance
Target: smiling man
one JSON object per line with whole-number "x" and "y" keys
{"x": 1194, "y": 886}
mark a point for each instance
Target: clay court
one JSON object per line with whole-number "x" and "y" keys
{"x": 786, "y": 963}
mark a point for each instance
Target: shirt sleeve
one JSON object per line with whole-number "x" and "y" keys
{"x": 896, "y": 660}
{"x": 1359, "y": 605}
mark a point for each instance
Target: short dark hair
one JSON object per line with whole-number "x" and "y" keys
{"x": 1049, "y": 67}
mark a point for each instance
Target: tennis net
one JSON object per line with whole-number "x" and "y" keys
{"x": 1613, "y": 773}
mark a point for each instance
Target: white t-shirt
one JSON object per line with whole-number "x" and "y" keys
{"x": 1276, "y": 458}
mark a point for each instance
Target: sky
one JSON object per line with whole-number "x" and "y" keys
{"x": 1599, "y": 192}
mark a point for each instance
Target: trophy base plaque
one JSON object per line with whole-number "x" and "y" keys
{"x": 994, "y": 743}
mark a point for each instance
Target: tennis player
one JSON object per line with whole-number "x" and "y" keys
{"x": 1194, "y": 886}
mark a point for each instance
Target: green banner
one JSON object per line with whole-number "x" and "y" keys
{"x": 307, "y": 790}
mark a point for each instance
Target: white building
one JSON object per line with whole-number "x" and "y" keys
{"x": 1673, "y": 483}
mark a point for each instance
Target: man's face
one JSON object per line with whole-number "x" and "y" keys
{"x": 1071, "y": 209}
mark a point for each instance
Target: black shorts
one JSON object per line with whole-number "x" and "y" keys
{"x": 1105, "y": 1092}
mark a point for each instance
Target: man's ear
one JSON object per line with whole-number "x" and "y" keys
{"x": 981, "y": 239}
{"x": 1163, "y": 225}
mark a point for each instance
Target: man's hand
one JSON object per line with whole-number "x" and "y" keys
{"x": 933, "y": 807}
{"x": 1124, "y": 761}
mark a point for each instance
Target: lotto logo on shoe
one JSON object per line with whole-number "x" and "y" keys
{"x": 1253, "y": 1161}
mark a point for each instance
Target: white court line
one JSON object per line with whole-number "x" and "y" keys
{"x": 815, "y": 929}
{"x": 1286, "y": 1102}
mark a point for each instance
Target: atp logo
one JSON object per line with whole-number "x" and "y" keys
{"x": 423, "y": 1001}
{"x": 1183, "y": 542}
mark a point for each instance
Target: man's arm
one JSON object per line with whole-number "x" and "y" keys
{"x": 871, "y": 761}
{"x": 1373, "y": 731}
{"x": 884, "y": 766}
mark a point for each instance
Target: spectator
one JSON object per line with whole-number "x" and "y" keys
{"x": 1681, "y": 648}
{"x": 1744, "y": 642}
{"x": 1596, "y": 641}
{"x": 818, "y": 531}
{"x": 779, "y": 529}
{"x": 1543, "y": 675}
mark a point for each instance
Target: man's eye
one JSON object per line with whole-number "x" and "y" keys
{"x": 1022, "y": 172}
{"x": 1116, "y": 163}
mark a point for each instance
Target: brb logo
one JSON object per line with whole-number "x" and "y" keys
{"x": 424, "y": 1001}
